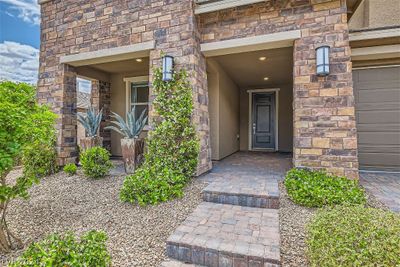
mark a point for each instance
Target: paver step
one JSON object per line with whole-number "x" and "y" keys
{"x": 219, "y": 235}
{"x": 243, "y": 190}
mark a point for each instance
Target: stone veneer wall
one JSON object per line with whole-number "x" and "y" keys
{"x": 324, "y": 116}
{"x": 76, "y": 26}
{"x": 100, "y": 98}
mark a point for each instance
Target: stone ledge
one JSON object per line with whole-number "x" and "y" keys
{"x": 241, "y": 200}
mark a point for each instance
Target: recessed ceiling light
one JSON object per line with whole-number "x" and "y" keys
{"x": 262, "y": 58}
{"x": 139, "y": 60}
{"x": 266, "y": 78}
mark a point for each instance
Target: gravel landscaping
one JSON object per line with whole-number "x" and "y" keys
{"x": 136, "y": 234}
{"x": 293, "y": 220}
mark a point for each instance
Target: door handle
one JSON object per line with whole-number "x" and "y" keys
{"x": 254, "y": 128}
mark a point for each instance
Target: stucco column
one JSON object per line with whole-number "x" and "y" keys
{"x": 325, "y": 134}
{"x": 180, "y": 39}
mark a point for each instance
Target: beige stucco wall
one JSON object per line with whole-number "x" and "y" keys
{"x": 224, "y": 112}
{"x": 375, "y": 14}
{"x": 118, "y": 105}
{"x": 285, "y": 117}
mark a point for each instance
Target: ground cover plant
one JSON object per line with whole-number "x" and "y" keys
{"x": 27, "y": 137}
{"x": 95, "y": 162}
{"x": 354, "y": 236}
{"x": 65, "y": 250}
{"x": 173, "y": 147}
{"x": 316, "y": 189}
{"x": 70, "y": 169}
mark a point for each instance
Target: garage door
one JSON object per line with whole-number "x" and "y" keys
{"x": 377, "y": 94}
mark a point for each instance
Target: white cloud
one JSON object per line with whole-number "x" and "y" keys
{"x": 19, "y": 62}
{"x": 27, "y": 10}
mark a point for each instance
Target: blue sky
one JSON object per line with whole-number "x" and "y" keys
{"x": 19, "y": 40}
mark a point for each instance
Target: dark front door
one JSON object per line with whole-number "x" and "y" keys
{"x": 263, "y": 121}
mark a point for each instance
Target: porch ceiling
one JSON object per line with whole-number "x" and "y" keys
{"x": 124, "y": 66}
{"x": 247, "y": 70}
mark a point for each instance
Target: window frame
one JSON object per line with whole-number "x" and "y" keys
{"x": 129, "y": 81}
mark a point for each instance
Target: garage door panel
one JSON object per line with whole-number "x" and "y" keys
{"x": 382, "y": 161}
{"x": 382, "y": 149}
{"x": 382, "y": 127}
{"x": 378, "y": 74}
{"x": 379, "y": 138}
{"x": 378, "y": 106}
{"x": 378, "y": 117}
{"x": 377, "y": 96}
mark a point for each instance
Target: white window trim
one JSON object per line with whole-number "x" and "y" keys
{"x": 128, "y": 81}
{"x": 269, "y": 90}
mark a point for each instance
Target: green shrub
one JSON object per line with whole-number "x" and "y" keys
{"x": 27, "y": 137}
{"x": 173, "y": 147}
{"x": 70, "y": 169}
{"x": 354, "y": 236}
{"x": 96, "y": 162}
{"x": 317, "y": 188}
{"x": 62, "y": 251}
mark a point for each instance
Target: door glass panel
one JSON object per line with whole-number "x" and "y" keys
{"x": 139, "y": 93}
{"x": 263, "y": 118}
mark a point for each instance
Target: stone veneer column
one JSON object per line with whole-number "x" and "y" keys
{"x": 178, "y": 36}
{"x": 324, "y": 116}
{"x": 100, "y": 98}
{"x": 57, "y": 88}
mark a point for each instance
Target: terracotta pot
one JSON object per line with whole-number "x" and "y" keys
{"x": 89, "y": 142}
{"x": 132, "y": 153}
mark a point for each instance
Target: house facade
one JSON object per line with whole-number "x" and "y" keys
{"x": 252, "y": 65}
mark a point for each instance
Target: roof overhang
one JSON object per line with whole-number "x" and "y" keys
{"x": 247, "y": 44}
{"x": 109, "y": 55}
{"x": 376, "y": 52}
{"x": 352, "y": 6}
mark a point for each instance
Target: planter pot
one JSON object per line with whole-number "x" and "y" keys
{"x": 132, "y": 153}
{"x": 89, "y": 142}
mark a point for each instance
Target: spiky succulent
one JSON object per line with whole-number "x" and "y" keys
{"x": 91, "y": 121}
{"x": 132, "y": 127}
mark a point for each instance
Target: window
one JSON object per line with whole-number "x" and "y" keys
{"x": 139, "y": 98}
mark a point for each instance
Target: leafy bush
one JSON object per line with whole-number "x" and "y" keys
{"x": 70, "y": 169}
{"x": 354, "y": 236}
{"x": 27, "y": 136}
{"x": 173, "y": 147}
{"x": 96, "y": 162}
{"x": 317, "y": 188}
{"x": 61, "y": 251}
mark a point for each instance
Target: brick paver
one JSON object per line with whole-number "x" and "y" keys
{"x": 224, "y": 235}
{"x": 384, "y": 186}
{"x": 247, "y": 179}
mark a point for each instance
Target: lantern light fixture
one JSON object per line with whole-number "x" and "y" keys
{"x": 167, "y": 68}
{"x": 322, "y": 60}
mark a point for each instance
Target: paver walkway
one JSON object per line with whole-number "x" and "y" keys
{"x": 238, "y": 224}
{"x": 384, "y": 186}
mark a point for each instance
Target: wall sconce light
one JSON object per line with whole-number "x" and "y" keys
{"x": 167, "y": 68}
{"x": 322, "y": 54}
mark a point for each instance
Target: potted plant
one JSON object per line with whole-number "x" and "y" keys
{"x": 131, "y": 145}
{"x": 91, "y": 122}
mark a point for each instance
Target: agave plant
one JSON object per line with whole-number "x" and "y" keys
{"x": 132, "y": 127}
{"x": 91, "y": 121}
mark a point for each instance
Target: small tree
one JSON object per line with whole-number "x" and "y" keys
{"x": 173, "y": 146}
{"x": 27, "y": 136}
